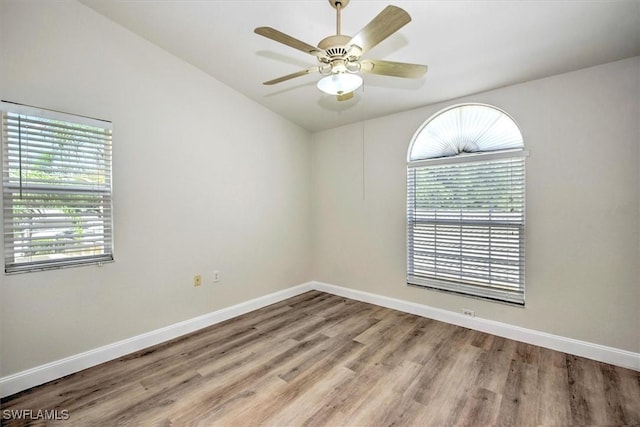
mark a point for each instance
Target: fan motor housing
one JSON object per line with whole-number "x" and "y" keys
{"x": 335, "y": 46}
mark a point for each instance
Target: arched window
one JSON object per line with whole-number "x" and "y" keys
{"x": 466, "y": 204}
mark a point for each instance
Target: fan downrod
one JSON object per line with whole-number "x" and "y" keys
{"x": 342, "y": 3}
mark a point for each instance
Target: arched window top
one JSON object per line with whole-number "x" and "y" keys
{"x": 467, "y": 128}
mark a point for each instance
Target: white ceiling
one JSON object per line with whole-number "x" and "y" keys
{"x": 469, "y": 46}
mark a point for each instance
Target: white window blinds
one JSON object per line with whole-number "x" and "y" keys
{"x": 466, "y": 225}
{"x": 56, "y": 189}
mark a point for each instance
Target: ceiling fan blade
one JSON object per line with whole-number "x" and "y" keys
{"x": 390, "y": 20}
{"x": 280, "y": 37}
{"x": 395, "y": 69}
{"x": 291, "y": 76}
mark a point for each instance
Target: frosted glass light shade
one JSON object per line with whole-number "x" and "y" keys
{"x": 340, "y": 83}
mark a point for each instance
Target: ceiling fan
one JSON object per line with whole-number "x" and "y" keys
{"x": 339, "y": 56}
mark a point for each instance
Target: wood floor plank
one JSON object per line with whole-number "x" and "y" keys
{"x": 307, "y": 380}
{"x": 305, "y": 400}
{"x": 449, "y": 391}
{"x": 428, "y": 345}
{"x": 519, "y": 405}
{"x": 630, "y": 390}
{"x": 586, "y": 388}
{"x": 403, "y": 375}
{"x": 321, "y": 360}
{"x": 612, "y": 395}
{"x": 493, "y": 374}
{"x": 554, "y": 401}
{"x": 439, "y": 366}
{"x": 482, "y": 407}
{"x": 339, "y": 322}
{"x": 379, "y": 406}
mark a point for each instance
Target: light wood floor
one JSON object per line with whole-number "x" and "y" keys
{"x": 322, "y": 360}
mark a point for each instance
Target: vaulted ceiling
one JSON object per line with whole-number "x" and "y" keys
{"x": 469, "y": 46}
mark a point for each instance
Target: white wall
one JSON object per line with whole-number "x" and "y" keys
{"x": 204, "y": 179}
{"x": 583, "y": 205}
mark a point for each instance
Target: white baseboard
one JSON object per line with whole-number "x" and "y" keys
{"x": 41, "y": 374}
{"x": 601, "y": 353}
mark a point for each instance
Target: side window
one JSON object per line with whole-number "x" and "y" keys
{"x": 466, "y": 204}
{"x": 56, "y": 197}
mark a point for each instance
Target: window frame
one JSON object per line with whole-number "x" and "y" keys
{"x": 488, "y": 291}
{"x": 49, "y": 194}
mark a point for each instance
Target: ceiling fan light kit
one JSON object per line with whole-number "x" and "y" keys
{"x": 339, "y": 84}
{"x": 339, "y": 55}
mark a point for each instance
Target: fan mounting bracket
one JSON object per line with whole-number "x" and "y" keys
{"x": 342, "y": 3}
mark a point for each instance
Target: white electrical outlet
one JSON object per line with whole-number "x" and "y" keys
{"x": 216, "y": 276}
{"x": 468, "y": 312}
